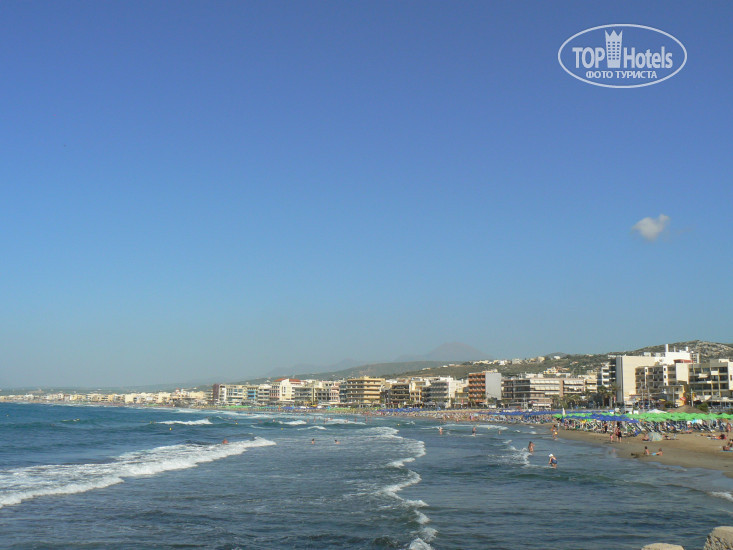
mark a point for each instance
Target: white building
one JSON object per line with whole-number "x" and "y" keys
{"x": 627, "y": 365}
{"x": 439, "y": 391}
{"x": 281, "y": 390}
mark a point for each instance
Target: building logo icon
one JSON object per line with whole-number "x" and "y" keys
{"x": 622, "y": 55}
{"x": 613, "y": 49}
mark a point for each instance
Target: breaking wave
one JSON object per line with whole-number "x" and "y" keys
{"x": 35, "y": 481}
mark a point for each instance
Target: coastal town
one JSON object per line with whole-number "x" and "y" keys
{"x": 666, "y": 379}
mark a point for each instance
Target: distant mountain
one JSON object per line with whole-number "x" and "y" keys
{"x": 310, "y": 367}
{"x": 374, "y": 369}
{"x": 456, "y": 352}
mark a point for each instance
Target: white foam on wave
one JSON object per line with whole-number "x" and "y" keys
{"x": 414, "y": 446}
{"x": 400, "y": 463}
{"x": 26, "y": 483}
{"x": 201, "y": 422}
{"x": 422, "y": 519}
{"x": 419, "y": 544}
{"x": 313, "y": 428}
{"x": 722, "y": 494}
{"x": 292, "y": 422}
{"x": 413, "y": 478}
{"x": 243, "y": 414}
{"x": 343, "y": 421}
{"x": 519, "y": 455}
{"x": 383, "y": 431}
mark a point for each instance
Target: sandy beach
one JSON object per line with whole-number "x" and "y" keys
{"x": 688, "y": 450}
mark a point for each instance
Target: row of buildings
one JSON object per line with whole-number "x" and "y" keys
{"x": 675, "y": 376}
{"x": 671, "y": 376}
{"x": 479, "y": 389}
{"x": 177, "y": 398}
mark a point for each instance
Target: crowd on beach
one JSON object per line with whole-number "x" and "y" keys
{"x": 648, "y": 428}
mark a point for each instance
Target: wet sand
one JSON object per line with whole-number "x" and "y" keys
{"x": 688, "y": 450}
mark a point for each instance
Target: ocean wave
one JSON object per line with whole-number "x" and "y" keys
{"x": 314, "y": 428}
{"x": 400, "y": 463}
{"x": 342, "y": 421}
{"x": 201, "y": 422}
{"x": 383, "y": 431}
{"x": 499, "y": 427}
{"x": 519, "y": 455}
{"x": 429, "y": 533}
{"x": 293, "y": 422}
{"x": 419, "y": 544}
{"x": 413, "y": 478}
{"x": 722, "y": 494}
{"x": 425, "y": 533}
{"x": 422, "y": 519}
{"x": 413, "y": 446}
{"x": 27, "y": 483}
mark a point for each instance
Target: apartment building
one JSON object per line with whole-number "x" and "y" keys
{"x": 606, "y": 375}
{"x": 363, "y": 391}
{"x": 627, "y": 365}
{"x": 233, "y": 394}
{"x": 712, "y": 383}
{"x": 484, "y": 385}
{"x": 538, "y": 392}
{"x": 396, "y": 393}
{"x": 661, "y": 381}
{"x": 440, "y": 392}
{"x": 282, "y": 390}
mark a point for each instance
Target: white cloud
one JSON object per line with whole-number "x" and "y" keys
{"x": 651, "y": 228}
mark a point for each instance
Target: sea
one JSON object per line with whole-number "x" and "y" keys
{"x": 121, "y": 477}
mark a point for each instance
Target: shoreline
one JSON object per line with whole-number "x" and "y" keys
{"x": 687, "y": 451}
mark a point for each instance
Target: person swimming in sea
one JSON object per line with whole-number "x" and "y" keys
{"x": 553, "y": 461}
{"x": 530, "y": 447}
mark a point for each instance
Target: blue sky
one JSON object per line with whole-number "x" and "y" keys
{"x": 213, "y": 190}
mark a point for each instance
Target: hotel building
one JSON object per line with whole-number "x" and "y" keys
{"x": 363, "y": 391}
{"x": 482, "y": 386}
{"x": 538, "y": 392}
{"x": 626, "y": 370}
